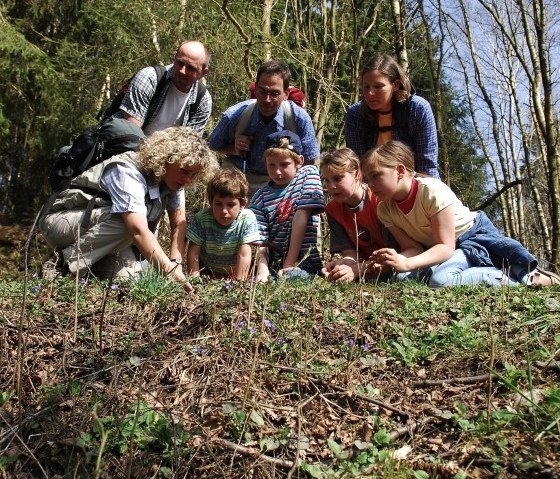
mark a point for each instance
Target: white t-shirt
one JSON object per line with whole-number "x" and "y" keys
{"x": 171, "y": 110}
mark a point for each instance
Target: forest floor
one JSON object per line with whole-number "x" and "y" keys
{"x": 289, "y": 379}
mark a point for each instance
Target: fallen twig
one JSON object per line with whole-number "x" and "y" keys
{"x": 254, "y": 452}
{"x": 30, "y": 452}
{"x": 377, "y": 402}
{"x": 412, "y": 427}
{"x": 547, "y": 365}
{"x": 462, "y": 380}
{"x": 544, "y": 365}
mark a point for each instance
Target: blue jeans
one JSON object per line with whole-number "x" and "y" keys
{"x": 458, "y": 270}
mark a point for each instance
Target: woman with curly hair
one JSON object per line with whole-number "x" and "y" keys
{"x": 129, "y": 193}
{"x": 390, "y": 110}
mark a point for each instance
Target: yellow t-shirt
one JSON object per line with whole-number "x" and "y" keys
{"x": 432, "y": 197}
{"x": 384, "y": 120}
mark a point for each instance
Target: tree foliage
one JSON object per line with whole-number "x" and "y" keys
{"x": 60, "y": 60}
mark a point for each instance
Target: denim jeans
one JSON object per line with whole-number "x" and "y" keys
{"x": 458, "y": 270}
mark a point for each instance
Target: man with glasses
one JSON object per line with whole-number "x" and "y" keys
{"x": 244, "y": 149}
{"x": 183, "y": 99}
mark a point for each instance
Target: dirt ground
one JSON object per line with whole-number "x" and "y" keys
{"x": 244, "y": 382}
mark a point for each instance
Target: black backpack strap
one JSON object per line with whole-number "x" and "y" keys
{"x": 86, "y": 218}
{"x": 161, "y": 73}
{"x": 201, "y": 91}
{"x": 47, "y": 205}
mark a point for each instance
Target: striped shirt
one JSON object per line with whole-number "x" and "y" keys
{"x": 275, "y": 208}
{"x": 220, "y": 244}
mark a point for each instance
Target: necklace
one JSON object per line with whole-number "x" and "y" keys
{"x": 360, "y": 205}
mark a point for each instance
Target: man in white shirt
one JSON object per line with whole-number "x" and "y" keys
{"x": 183, "y": 100}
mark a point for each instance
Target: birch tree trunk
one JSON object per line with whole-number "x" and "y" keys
{"x": 400, "y": 33}
{"x": 503, "y": 49}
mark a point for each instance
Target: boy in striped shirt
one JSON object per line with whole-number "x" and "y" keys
{"x": 220, "y": 237}
{"x": 287, "y": 210}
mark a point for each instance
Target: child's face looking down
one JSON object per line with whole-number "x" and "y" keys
{"x": 281, "y": 168}
{"x": 340, "y": 185}
{"x": 386, "y": 182}
{"x": 226, "y": 209}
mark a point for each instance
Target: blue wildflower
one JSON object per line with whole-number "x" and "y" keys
{"x": 82, "y": 281}
{"x": 279, "y": 341}
{"x": 365, "y": 346}
{"x": 228, "y": 284}
{"x": 241, "y": 325}
{"x": 114, "y": 287}
{"x": 35, "y": 289}
{"x": 199, "y": 350}
{"x": 283, "y": 307}
{"x": 351, "y": 342}
{"x": 252, "y": 330}
{"x": 268, "y": 324}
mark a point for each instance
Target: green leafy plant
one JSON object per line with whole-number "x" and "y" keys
{"x": 142, "y": 427}
{"x": 152, "y": 286}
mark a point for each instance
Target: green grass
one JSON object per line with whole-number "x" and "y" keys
{"x": 157, "y": 379}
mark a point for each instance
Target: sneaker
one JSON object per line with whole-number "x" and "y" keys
{"x": 540, "y": 278}
{"x": 54, "y": 267}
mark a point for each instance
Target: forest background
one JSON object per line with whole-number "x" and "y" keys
{"x": 488, "y": 67}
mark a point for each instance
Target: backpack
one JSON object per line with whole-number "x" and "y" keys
{"x": 94, "y": 145}
{"x": 289, "y": 122}
{"x": 161, "y": 73}
{"x": 115, "y": 104}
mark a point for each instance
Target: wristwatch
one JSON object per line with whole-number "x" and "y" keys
{"x": 176, "y": 260}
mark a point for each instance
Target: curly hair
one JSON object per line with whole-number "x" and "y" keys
{"x": 389, "y": 67}
{"x": 176, "y": 144}
{"x": 228, "y": 182}
{"x": 340, "y": 161}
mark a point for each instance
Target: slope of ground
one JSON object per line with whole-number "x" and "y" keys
{"x": 280, "y": 380}
{"x": 285, "y": 380}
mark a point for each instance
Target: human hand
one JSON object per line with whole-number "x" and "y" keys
{"x": 341, "y": 273}
{"x": 242, "y": 143}
{"x": 263, "y": 274}
{"x": 328, "y": 267}
{"x": 389, "y": 257}
{"x": 286, "y": 268}
{"x": 180, "y": 277}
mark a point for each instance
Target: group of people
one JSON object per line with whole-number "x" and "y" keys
{"x": 389, "y": 215}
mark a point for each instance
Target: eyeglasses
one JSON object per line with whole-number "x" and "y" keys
{"x": 274, "y": 94}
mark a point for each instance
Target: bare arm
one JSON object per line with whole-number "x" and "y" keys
{"x": 299, "y": 225}
{"x": 412, "y": 256}
{"x": 132, "y": 120}
{"x": 243, "y": 263}
{"x": 137, "y": 227}
{"x": 193, "y": 256}
{"x": 178, "y": 223}
{"x": 262, "y": 263}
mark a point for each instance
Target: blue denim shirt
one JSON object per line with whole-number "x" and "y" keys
{"x": 484, "y": 245}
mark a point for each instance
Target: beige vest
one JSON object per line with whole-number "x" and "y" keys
{"x": 85, "y": 186}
